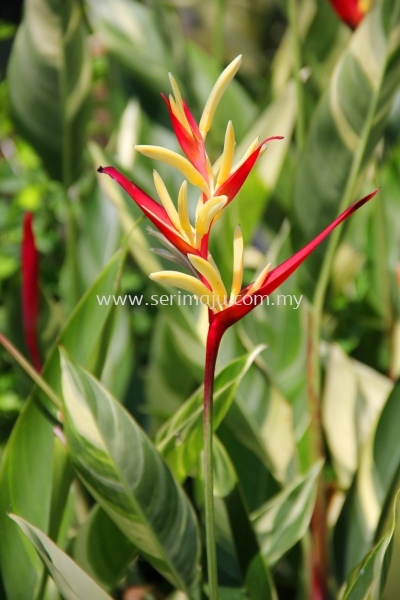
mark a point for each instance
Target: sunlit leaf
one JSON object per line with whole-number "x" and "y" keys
{"x": 354, "y": 395}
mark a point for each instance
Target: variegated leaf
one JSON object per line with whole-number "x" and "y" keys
{"x": 49, "y": 77}
{"x": 346, "y": 127}
{"x": 123, "y": 471}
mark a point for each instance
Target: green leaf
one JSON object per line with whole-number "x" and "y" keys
{"x": 180, "y": 440}
{"x": 139, "y": 246}
{"x": 353, "y": 397}
{"x": 26, "y": 478}
{"x": 129, "y": 31}
{"x": 125, "y": 474}
{"x": 346, "y": 127}
{"x": 176, "y": 362}
{"x": 254, "y": 569}
{"x": 282, "y": 521}
{"x": 372, "y": 488}
{"x": 49, "y": 77}
{"x": 368, "y": 579}
{"x": 72, "y": 582}
{"x": 102, "y": 550}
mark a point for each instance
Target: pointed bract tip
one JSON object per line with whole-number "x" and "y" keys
{"x": 100, "y": 170}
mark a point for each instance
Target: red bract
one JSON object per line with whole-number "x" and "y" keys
{"x": 156, "y": 213}
{"x": 30, "y": 290}
{"x": 235, "y": 182}
{"x": 192, "y": 144}
{"x": 349, "y": 11}
{"x": 277, "y": 276}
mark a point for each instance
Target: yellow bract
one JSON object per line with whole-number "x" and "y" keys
{"x": 166, "y": 200}
{"x": 190, "y": 284}
{"x": 259, "y": 281}
{"x": 183, "y": 212}
{"x": 364, "y": 5}
{"x": 238, "y": 254}
{"x": 216, "y": 94}
{"x": 209, "y": 207}
{"x": 246, "y": 155}
{"x": 207, "y": 213}
{"x": 212, "y": 275}
{"x": 227, "y": 156}
{"x": 178, "y": 104}
{"x": 175, "y": 160}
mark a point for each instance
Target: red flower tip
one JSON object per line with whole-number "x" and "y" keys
{"x": 350, "y": 12}
{"x": 156, "y": 213}
{"x": 30, "y": 290}
{"x": 277, "y": 276}
{"x": 235, "y": 181}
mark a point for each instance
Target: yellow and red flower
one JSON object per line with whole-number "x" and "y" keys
{"x": 218, "y": 184}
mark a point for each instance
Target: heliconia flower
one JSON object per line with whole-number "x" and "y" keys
{"x": 225, "y": 312}
{"x": 218, "y": 185}
{"x": 351, "y": 11}
{"x": 30, "y": 290}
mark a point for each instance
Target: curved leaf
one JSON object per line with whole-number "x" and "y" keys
{"x": 368, "y": 580}
{"x": 130, "y": 32}
{"x": 71, "y": 581}
{"x": 102, "y": 550}
{"x": 354, "y": 395}
{"x": 49, "y": 77}
{"x": 125, "y": 474}
{"x": 371, "y": 489}
{"x": 282, "y": 521}
{"x": 346, "y": 127}
{"x": 26, "y": 478}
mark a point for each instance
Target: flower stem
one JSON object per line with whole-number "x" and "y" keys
{"x": 294, "y": 32}
{"x": 213, "y": 340}
{"x": 318, "y": 555}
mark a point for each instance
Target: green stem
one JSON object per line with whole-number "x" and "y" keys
{"x": 40, "y": 382}
{"x": 293, "y": 15}
{"x": 213, "y": 341}
{"x": 218, "y": 31}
